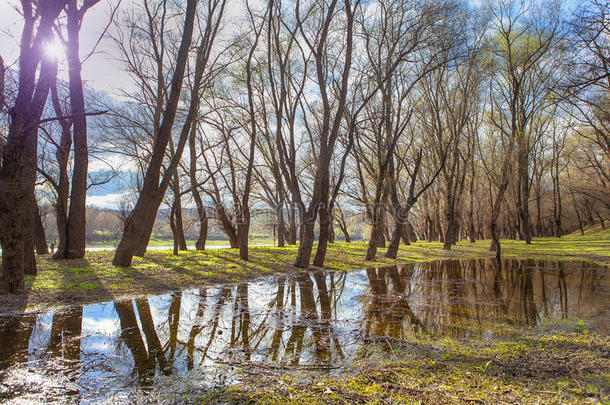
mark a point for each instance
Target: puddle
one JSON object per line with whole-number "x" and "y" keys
{"x": 110, "y": 351}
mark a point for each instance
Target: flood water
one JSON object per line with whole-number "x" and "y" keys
{"x": 111, "y": 350}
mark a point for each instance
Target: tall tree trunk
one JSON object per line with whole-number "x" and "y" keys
{"x": 203, "y": 229}
{"x": 451, "y": 225}
{"x": 318, "y": 198}
{"x": 76, "y": 228}
{"x": 438, "y": 225}
{"x": 328, "y": 133}
{"x": 411, "y": 235}
{"x": 243, "y": 225}
{"x": 471, "y": 229}
{"x": 397, "y": 235}
{"x": 376, "y": 232}
{"x": 243, "y": 229}
{"x": 306, "y": 240}
{"x": 556, "y": 201}
{"x": 177, "y": 226}
{"x": 539, "y": 225}
{"x": 172, "y": 225}
{"x": 401, "y": 215}
{"x": 227, "y": 226}
{"x": 19, "y": 160}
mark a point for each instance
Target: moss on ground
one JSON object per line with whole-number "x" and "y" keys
{"x": 94, "y": 278}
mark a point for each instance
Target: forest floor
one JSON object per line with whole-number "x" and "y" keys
{"x": 95, "y": 279}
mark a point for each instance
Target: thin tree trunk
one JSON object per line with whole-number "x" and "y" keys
{"x": 176, "y": 215}
{"x": 281, "y": 224}
{"x": 243, "y": 225}
{"x": 172, "y": 225}
{"x": 525, "y": 230}
{"x": 62, "y": 189}
{"x": 450, "y": 230}
{"x": 202, "y": 215}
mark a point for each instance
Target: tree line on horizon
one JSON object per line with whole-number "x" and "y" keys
{"x": 436, "y": 120}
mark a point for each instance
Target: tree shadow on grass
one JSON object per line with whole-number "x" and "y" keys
{"x": 58, "y": 282}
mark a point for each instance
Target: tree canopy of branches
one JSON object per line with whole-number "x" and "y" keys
{"x": 392, "y": 120}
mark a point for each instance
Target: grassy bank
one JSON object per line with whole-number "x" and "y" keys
{"x": 94, "y": 278}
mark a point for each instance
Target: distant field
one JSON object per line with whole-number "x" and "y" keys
{"x": 254, "y": 240}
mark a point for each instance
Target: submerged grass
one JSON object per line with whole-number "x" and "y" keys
{"x": 94, "y": 278}
{"x": 558, "y": 363}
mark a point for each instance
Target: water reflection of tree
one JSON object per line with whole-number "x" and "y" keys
{"x": 221, "y": 298}
{"x": 197, "y": 327}
{"x": 15, "y": 334}
{"x": 388, "y": 311}
{"x": 66, "y": 333}
{"x": 471, "y": 296}
{"x": 240, "y": 324}
{"x": 147, "y": 351}
{"x": 144, "y": 366}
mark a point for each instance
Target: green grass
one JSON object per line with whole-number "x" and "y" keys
{"x": 94, "y": 278}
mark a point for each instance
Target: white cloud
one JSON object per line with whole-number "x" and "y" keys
{"x": 111, "y": 160}
{"x": 106, "y": 201}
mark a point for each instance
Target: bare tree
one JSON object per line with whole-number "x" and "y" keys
{"x": 140, "y": 222}
{"x": 317, "y": 42}
{"x": 524, "y": 78}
